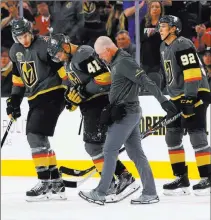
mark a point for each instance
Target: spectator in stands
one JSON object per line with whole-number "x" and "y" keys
{"x": 93, "y": 27}
{"x": 203, "y": 39}
{"x": 6, "y": 73}
{"x": 10, "y": 12}
{"x": 124, "y": 42}
{"x": 27, "y": 6}
{"x": 67, "y": 17}
{"x": 129, "y": 12}
{"x": 207, "y": 62}
{"x": 188, "y": 18}
{"x": 116, "y": 21}
{"x": 42, "y": 21}
{"x": 150, "y": 42}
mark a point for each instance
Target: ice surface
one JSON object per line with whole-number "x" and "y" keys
{"x": 14, "y": 206}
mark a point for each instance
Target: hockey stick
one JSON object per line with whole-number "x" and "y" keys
{"x": 75, "y": 184}
{"x": 6, "y": 132}
{"x": 74, "y": 172}
{"x": 161, "y": 123}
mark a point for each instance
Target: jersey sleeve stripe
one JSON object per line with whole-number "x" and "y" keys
{"x": 62, "y": 73}
{"x": 103, "y": 79}
{"x": 192, "y": 74}
{"x": 17, "y": 81}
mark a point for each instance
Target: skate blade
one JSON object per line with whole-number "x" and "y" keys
{"x": 184, "y": 191}
{"x": 40, "y": 198}
{"x": 202, "y": 192}
{"x": 90, "y": 200}
{"x": 123, "y": 195}
{"x": 136, "y": 202}
{"x": 59, "y": 196}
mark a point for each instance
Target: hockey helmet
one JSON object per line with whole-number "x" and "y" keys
{"x": 55, "y": 45}
{"x": 20, "y": 26}
{"x": 173, "y": 21}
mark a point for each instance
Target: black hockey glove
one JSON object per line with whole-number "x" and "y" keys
{"x": 188, "y": 106}
{"x": 170, "y": 108}
{"x": 13, "y": 106}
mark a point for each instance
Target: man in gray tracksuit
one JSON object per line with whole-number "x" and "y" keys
{"x": 125, "y": 113}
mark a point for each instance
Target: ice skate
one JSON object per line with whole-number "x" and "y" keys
{"x": 41, "y": 192}
{"x": 178, "y": 187}
{"x": 203, "y": 188}
{"x": 126, "y": 186}
{"x": 58, "y": 189}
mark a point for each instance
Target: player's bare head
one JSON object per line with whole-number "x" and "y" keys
{"x": 105, "y": 48}
{"x": 22, "y": 31}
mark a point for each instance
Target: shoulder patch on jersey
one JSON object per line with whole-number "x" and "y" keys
{"x": 68, "y": 4}
{"x": 19, "y": 56}
{"x": 14, "y": 50}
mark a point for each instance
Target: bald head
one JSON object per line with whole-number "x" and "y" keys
{"x": 103, "y": 42}
{"x": 105, "y": 48}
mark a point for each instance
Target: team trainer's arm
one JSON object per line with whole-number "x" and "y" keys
{"x": 130, "y": 69}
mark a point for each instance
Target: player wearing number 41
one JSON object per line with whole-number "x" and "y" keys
{"x": 188, "y": 88}
{"x": 90, "y": 82}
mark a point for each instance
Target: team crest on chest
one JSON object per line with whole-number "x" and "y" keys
{"x": 168, "y": 70}
{"x": 29, "y": 73}
{"x": 89, "y": 7}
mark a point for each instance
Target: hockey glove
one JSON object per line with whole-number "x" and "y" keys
{"x": 170, "y": 108}
{"x": 71, "y": 107}
{"x": 13, "y": 106}
{"x": 72, "y": 96}
{"x": 188, "y": 106}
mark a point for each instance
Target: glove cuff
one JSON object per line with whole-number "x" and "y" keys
{"x": 16, "y": 101}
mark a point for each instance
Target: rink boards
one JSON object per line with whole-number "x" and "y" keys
{"x": 69, "y": 146}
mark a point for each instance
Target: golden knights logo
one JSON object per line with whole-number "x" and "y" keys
{"x": 29, "y": 73}
{"x": 168, "y": 70}
{"x": 73, "y": 78}
{"x": 89, "y": 7}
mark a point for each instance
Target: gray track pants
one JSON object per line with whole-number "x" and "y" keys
{"x": 126, "y": 132}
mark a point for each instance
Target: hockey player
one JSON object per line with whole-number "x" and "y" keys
{"x": 189, "y": 90}
{"x": 36, "y": 74}
{"x": 90, "y": 82}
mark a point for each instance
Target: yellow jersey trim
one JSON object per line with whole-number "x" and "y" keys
{"x": 46, "y": 90}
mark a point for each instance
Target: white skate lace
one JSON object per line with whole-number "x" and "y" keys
{"x": 38, "y": 186}
{"x": 175, "y": 181}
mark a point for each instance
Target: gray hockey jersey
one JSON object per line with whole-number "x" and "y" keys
{"x": 184, "y": 71}
{"x": 34, "y": 70}
{"x": 86, "y": 69}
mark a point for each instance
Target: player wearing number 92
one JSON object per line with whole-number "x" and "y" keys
{"x": 188, "y": 88}
{"x": 89, "y": 80}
